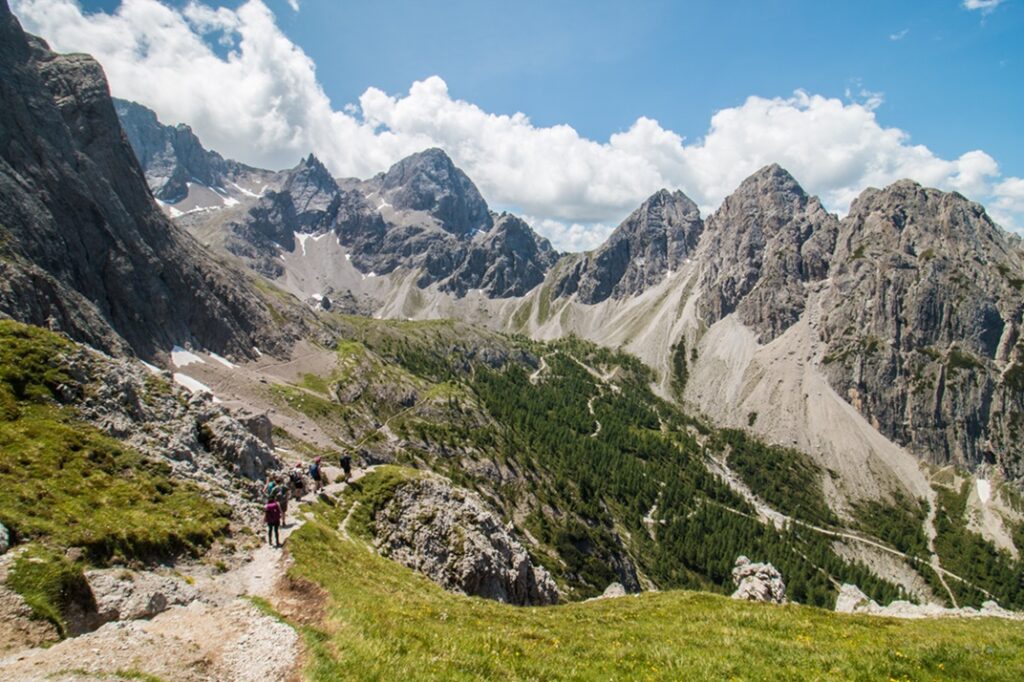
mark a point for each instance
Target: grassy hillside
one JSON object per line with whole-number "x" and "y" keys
{"x": 63, "y": 484}
{"x": 381, "y": 621}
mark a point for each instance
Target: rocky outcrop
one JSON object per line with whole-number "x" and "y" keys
{"x": 85, "y": 249}
{"x": 613, "y": 591}
{"x": 758, "y": 582}
{"x": 449, "y": 535}
{"x": 200, "y": 439}
{"x": 923, "y": 326}
{"x": 764, "y": 244}
{"x": 245, "y": 454}
{"x": 852, "y": 600}
{"x": 121, "y": 594}
{"x": 652, "y": 242}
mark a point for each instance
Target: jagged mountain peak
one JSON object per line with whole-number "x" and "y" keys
{"x": 429, "y": 181}
{"x": 311, "y": 185}
{"x": 772, "y": 181}
{"x": 765, "y": 242}
{"x": 171, "y": 156}
{"x": 652, "y": 241}
{"x": 906, "y": 217}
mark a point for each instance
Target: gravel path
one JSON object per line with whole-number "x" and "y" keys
{"x": 220, "y": 636}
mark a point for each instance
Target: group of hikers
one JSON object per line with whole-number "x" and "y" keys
{"x": 280, "y": 487}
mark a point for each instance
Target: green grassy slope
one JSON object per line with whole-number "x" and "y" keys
{"x": 384, "y": 622}
{"x": 63, "y": 484}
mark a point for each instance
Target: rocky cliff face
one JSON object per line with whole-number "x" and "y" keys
{"x": 84, "y": 248}
{"x": 923, "y": 325}
{"x": 764, "y": 244}
{"x": 171, "y": 156}
{"x": 507, "y": 260}
{"x": 652, "y": 242}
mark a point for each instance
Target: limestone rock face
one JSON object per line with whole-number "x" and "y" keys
{"x": 923, "y": 326}
{"x": 449, "y": 535}
{"x": 764, "y": 244}
{"x": 653, "y": 241}
{"x": 243, "y": 452}
{"x": 85, "y": 249}
{"x": 428, "y": 181}
{"x": 171, "y": 156}
{"x": 758, "y": 582}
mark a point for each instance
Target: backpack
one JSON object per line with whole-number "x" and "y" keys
{"x": 296, "y": 478}
{"x": 314, "y": 472}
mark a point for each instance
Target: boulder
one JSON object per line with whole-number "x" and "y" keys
{"x": 612, "y": 591}
{"x": 131, "y": 595}
{"x": 758, "y": 582}
{"x": 449, "y": 535}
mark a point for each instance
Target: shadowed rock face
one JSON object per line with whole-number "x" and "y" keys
{"x": 508, "y": 260}
{"x": 171, "y": 156}
{"x": 428, "y": 181}
{"x": 654, "y": 240}
{"x": 764, "y": 244}
{"x": 923, "y": 325}
{"x": 84, "y": 248}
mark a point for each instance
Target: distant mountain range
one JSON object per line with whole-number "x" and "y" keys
{"x": 909, "y": 309}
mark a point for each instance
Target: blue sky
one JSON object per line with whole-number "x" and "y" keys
{"x": 934, "y": 73}
{"x": 954, "y": 79}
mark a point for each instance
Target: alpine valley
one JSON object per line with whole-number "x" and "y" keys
{"x": 564, "y": 463}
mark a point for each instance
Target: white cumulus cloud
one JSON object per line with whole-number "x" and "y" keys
{"x": 257, "y": 99}
{"x": 985, "y": 6}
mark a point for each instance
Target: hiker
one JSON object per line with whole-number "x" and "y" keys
{"x": 346, "y": 465}
{"x": 317, "y": 474}
{"x": 281, "y": 496}
{"x": 298, "y": 485}
{"x": 268, "y": 489}
{"x": 272, "y": 515}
